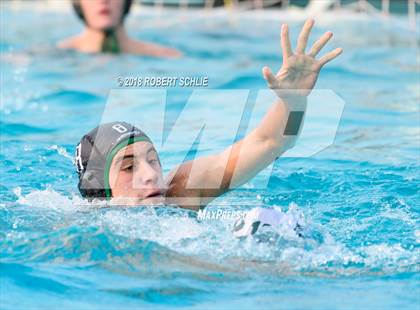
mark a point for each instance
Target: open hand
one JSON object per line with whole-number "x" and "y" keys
{"x": 299, "y": 71}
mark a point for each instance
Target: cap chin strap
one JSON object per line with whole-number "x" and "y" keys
{"x": 110, "y": 43}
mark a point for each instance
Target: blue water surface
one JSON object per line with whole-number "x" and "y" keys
{"x": 359, "y": 197}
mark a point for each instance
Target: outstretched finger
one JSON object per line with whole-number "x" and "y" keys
{"x": 318, "y": 45}
{"x": 269, "y": 77}
{"x": 285, "y": 42}
{"x": 303, "y": 36}
{"x": 330, "y": 56}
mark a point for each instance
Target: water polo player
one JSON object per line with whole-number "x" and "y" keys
{"x": 118, "y": 162}
{"x": 105, "y": 32}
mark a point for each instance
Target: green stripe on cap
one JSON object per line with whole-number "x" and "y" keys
{"x": 111, "y": 155}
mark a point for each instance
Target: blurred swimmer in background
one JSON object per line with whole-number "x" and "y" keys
{"x": 105, "y": 31}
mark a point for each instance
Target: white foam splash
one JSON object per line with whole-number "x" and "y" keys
{"x": 50, "y": 199}
{"x": 384, "y": 254}
{"x": 214, "y": 239}
{"x": 167, "y": 230}
{"x": 61, "y": 150}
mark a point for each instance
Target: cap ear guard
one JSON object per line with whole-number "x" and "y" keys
{"x": 90, "y": 186}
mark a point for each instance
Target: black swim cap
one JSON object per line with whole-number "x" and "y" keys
{"x": 95, "y": 152}
{"x": 79, "y": 11}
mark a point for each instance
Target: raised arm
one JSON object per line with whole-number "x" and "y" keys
{"x": 276, "y": 133}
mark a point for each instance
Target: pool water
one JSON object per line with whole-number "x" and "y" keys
{"x": 359, "y": 199}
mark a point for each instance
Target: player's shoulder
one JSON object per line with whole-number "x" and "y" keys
{"x": 69, "y": 43}
{"x": 152, "y": 49}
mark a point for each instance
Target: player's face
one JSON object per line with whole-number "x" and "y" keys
{"x": 102, "y": 14}
{"x": 136, "y": 177}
